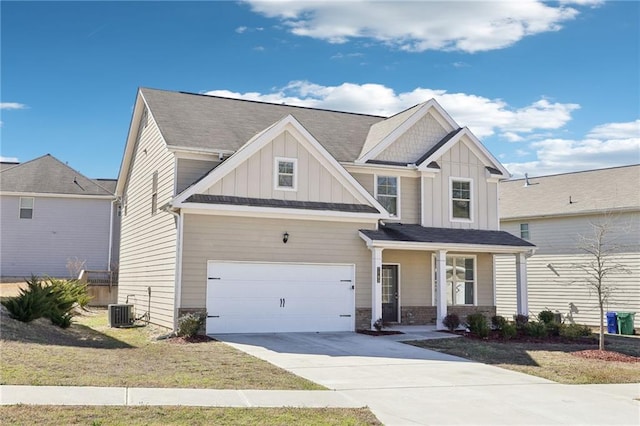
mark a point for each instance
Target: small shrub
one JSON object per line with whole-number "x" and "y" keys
{"x": 498, "y": 322}
{"x": 546, "y": 316}
{"x": 478, "y": 325}
{"x": 535, "y": 329}
{"x": 508, "y": 331}
{"x": 553, "y": 329}
{"x": 520, "y": 321}
{"x": 378, "y": 324}
{"x": 190, "y": 324}
{"x": 451, "y": 321}
{"x": 574, "y": 331}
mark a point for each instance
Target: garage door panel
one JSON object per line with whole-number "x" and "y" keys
{"x": 277, "y": 297}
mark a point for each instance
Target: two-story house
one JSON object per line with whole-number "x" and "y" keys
{"x": 278, "y": 218}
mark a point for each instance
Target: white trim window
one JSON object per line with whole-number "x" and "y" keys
{"x": 461, "y": 280}
{"x": 26, "y": 207}
{"x": 524, "y": 231}
{"x": 154, "y": 193}
{"x": 286, "y": 174}
{"x": 387, "y": 194}
{"x": 461, "y": 201}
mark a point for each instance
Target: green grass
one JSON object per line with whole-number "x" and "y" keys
{"x": 90, "y": 353}
{"x": 552, "y": 361}
{"x": 103, "y": 416}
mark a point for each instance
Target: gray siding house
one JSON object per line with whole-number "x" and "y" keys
{"x": 279, "y": 218}
{"x": 554, "y": 212}
{"x": 52, "y": 215}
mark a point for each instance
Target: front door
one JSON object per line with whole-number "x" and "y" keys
{"x": 390, "y": 293}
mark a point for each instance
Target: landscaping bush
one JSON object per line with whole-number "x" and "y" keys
{"x": 498, "y": 322}
{"x": 378, "y": 324}
{"x": 451, "y": 321}
{"x": 508, "y": 331}
{"x": 54, "y": 300}
{"x": 478, "y": 325}
{"x": 536, "y": 329}
{"x": 574, "y": 331}
{"x": 546, "y": 316}
{"x": 553, "y": 328}
{"x": 190, "y": 324}
{"x": 520, "y": 321}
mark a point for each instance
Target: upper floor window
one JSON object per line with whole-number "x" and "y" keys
{"x": 154, "y": 193}
{"x": 387, "y": 193}
{"x": 461, "y": 203}
{"x": 26, "y": 207}
{"x": 524, "y": 231}
{"x": 286, "y": 174}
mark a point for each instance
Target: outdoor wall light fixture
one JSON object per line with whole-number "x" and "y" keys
{"x": 285, "y": 237}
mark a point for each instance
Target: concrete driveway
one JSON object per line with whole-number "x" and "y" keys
{"x": 405, "y": 385}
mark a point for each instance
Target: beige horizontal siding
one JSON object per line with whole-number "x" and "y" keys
{"x": 415, "y": 275}
{"x": 252, "y": 239}
{"x": 148, "y": 242}
{"x": 566, "y": 293}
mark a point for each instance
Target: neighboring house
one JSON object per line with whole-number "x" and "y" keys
{"x": 279, "y": 218}
{"x": 554, "y": 212}
{"x": 52, "y": 215}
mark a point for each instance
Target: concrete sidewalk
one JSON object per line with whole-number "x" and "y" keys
{"x": 88, "y": 395}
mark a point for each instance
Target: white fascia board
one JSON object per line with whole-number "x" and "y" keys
{"x": 405, "y": 171}
{"x": 198, "y": 154}
{"x": 276, "y": 213}
{"x": 407, "y": 124}
{"x": 466, "y": 248}
{"x": 564, "y": 215}
{"x": 52, "y": 195}
{"x": 129, "y": 149}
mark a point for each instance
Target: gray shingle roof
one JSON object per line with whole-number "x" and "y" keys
{"x": 48, "y": 175}
{"x": 290, "y": 204}
{"x": 210, "y": 122}
{"x": 594, "y": 190}
{"x": 421, "y": 234}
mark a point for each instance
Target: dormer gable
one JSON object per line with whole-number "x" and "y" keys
{"x": 405, "y": 136}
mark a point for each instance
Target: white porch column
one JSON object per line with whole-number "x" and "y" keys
{"x": 376, "y": 284}
{"x": 441, "y": 293}
{"x": 522, "y": 302}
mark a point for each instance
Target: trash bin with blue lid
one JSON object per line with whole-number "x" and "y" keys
{"x": 612, "y": 323}
{"x": 625, "y": 322}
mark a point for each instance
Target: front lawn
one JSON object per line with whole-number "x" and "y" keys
{"x": 553, "y": 361}
{"x": 103, "y": 416}
{"x": 90, "y": 353}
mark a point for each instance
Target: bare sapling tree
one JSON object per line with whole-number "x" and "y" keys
{"x": 599, "y": 265}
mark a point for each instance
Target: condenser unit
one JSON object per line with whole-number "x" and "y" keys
{"x": 120, "y": 315}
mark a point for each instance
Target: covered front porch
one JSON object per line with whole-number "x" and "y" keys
{"x": 421, "y": 274}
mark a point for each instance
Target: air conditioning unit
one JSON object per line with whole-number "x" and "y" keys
{"x": 121, "y": 315}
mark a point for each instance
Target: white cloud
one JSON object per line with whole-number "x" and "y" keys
{"x": 8, "y": 159}
{"x": 607, "y": 145}
{"x": 12, "y": 105}
{"x": 420, "y": 25}
{"x": 482, "y": 115}
{"x": 241, "y": 30}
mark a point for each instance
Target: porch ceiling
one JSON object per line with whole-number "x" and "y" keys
{"x": 416, "y": 237}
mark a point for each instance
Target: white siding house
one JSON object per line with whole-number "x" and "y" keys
{"x": 555, "y": 212}
{"x": 52, "y": 215}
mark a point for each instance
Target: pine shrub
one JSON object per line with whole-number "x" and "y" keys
{"x": 190, "y": 324}
{"x": 451, "y": 321}
{"x": 478, "y": 325}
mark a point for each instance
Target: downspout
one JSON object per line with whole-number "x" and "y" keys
{"x": 110, "y": 234}
{"x": 178, "y": 269}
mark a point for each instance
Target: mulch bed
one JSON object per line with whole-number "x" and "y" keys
{"x": 186, "y": 340}
{"x": 379, "y": 332}
{"x": 605, "y": 356}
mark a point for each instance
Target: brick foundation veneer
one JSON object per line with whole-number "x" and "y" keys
{"x": 418, "y": 315}
{"x": 463, "y": 311}
{"x": 363, "y": 318}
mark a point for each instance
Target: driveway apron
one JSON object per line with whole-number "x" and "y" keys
{"x": 406, "y": 385}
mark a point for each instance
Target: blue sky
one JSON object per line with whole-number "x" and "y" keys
{"x": 548, "y": 87}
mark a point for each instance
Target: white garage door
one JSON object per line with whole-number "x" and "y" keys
{"x": 279, "y": 297}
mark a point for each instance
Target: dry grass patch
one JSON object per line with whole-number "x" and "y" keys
{"x": 90, "y": 353}
{"x": 553, "y": 361}
{"x": 103, "y": 416}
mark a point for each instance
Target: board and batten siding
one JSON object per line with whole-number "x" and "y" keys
{"x": 253, "y": 239}
{"x": 409, "y": 194}
{"x": 254, "y": 178}
{"x": 460, "y": 162}
{"x": 61, "y": 230}
{"x": 148, "y": 241}
{"x": 557, "y": 241}
{"x": 189, "y": 171}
